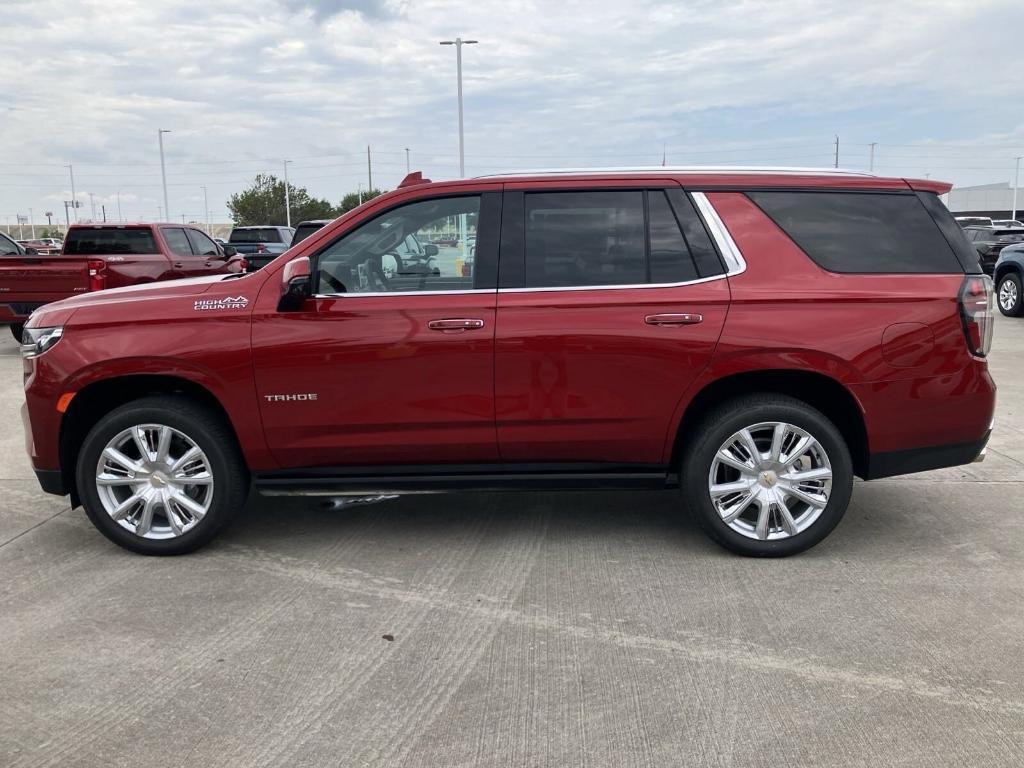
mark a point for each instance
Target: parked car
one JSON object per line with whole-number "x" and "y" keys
{"x": 974, "y": 221}
{"x": 1009, "y": 277}
{"x": 261, "y": 245}
{"x": 619, "y": 330}
{"x": 990, "y": 241}
{"x": 100, "y": 256}
{"x": 1006, "y": 223}
{"x": 44, "y": 247}
{"x": 307, "y": 228}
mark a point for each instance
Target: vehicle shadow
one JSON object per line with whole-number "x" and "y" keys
{"x": 630, "y": 517}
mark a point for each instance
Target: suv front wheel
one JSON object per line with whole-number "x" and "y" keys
{"x": 767, "y": 475}
{"x": 161, "y": 475}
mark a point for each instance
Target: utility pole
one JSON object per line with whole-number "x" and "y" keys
{"x": 163, "y": 170}
{"x": 92, "y": 206}
{"x": 871, "y": 162}
{"x": 32, "y": 222}
{"x": 67, "y": 217}
{"x": 359, "y": 190}
{"x": 119, "y": 217}
{"x": 407, "y": 160}
{"x": 71, "y": 171}
{"x": 458, "y": 42}
{"x": 1016, "y": 183}
{"x": 206, "y": 210}
{"x": 287, "y": 197}
{"x": 369, "y": 169}
{"x": 837, "y": 151}
{"x": 104, "y": 207}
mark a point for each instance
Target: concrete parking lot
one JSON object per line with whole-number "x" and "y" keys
{"x": 535, "y": 629}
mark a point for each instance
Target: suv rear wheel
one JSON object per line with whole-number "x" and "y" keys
{"x": 767, "y": 475}
{"x": 161, "y": 475}
{"x": 1010, "y": 295}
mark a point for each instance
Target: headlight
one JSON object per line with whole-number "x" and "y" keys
{"x": 35, "y": 341}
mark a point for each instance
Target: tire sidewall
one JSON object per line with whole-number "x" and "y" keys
{"x": 726, "y": 422}
{"x": 1015, "y": 310}
{"x": 227, "y": 496}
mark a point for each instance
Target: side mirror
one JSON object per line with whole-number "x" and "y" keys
{"x": 296, "y": 285}
{"x": 229, "y": 251}
{"x": 431, "y": 250}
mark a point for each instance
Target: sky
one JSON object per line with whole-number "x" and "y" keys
{"x": 243, "y": 85}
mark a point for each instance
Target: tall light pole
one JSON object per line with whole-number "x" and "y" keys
{"x": 206, "y": 212}
{"x": 407, "y": 160}
{"x": 163, "y": 170}
{"x": 287, "y": 197}
{"x": 119, "y": 217}
{"x": 71, "y": 171}
{"x": 871, "y": 162}
{"x": 32, "y": 222}
{"x": 92, "y": 206}
{"x": 458, "y": 42}
{"x": 1016, "y": 183}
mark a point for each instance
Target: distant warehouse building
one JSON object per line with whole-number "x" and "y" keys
{"x": 992, "y": 200}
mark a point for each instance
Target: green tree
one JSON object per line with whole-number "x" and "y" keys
{"x": 263, "y": 203}
{"x": 351, "y": 200}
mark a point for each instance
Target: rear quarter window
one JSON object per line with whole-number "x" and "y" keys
{"x": 92, "y": 242}
{"x": 863, "y": 232}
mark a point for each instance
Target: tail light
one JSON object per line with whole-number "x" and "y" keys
{"x": 977, "y": 304}
{"x": 97, "y": 274}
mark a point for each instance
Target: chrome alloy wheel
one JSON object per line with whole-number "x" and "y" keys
{"x": 154, "y": 481}
{"x": 770, "y": 481}
{"x": 1007, "y": 294}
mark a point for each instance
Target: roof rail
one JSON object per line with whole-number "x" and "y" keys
{"x": 754, "y": 169}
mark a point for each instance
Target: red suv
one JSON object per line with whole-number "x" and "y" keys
{"x": 756, "y": 338}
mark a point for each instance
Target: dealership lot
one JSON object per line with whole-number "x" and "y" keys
{"x": 528, "y": 629}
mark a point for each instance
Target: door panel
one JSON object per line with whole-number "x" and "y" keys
{"x": 184, "y": 261}
{"x": 583, "y": 375}
{"x": 389, "y": 389}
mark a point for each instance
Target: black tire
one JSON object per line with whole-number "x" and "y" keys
{"x": 728, "y": 419}
{"x": 16, "y": 331}
{"x": 208, "y": 430}
{"x": 1012, "y": 282}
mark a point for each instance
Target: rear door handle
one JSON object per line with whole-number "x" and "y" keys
{"x": 455, "y": 325}
{"x": 682, "y": 318}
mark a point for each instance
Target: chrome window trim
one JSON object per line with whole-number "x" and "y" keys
{"x": 734, "y": 261}
{"x": 735, "y": 265}
{"x": 358, "y": 294}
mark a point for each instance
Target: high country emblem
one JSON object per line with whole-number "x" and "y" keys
{"x": 228, "y": 302}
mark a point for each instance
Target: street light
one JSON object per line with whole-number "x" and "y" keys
{"x": 287, "y": 197}
{"x": 1016, "y": 183}
{"x": 458, "y": 42}
{"x": 163, "y": 170}
{"x": 206, "y": 209}
{"x": 71, "y": 171}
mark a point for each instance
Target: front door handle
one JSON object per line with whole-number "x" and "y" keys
{"x": 455, "y": 325}
{"x": 683, "y": 318}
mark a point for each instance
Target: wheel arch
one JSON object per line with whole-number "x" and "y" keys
{"x": 821, "y": 392}
{"x": 1010, "y": 265}
{"x": 94, "y": 401}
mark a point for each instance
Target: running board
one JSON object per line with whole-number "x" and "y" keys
{"x": 366, "y": 481}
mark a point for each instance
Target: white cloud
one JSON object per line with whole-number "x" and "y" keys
{"x": 549, "y": 84}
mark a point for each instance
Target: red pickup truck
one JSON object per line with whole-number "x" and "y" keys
{"x": 98, "y": 256}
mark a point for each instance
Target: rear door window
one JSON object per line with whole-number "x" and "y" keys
{"x": 861, "y": 231}
{"x": 90, "y": 242}
{"x": 614, "y": 238}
